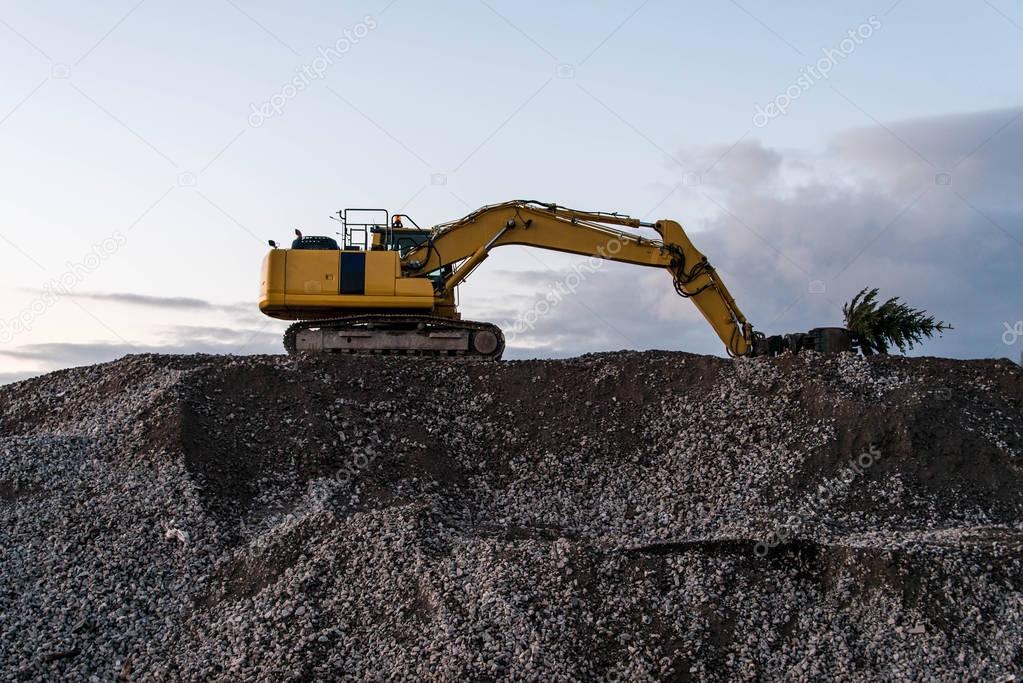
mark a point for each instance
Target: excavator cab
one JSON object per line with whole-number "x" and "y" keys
{"x": 400, "y": 239}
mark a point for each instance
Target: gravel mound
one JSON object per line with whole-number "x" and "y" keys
{"x": 624, "y": 516}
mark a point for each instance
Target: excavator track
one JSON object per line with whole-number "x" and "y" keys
{"x": 405, "y": 335}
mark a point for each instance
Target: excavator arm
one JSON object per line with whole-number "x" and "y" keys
{"x": 465, "y": 243}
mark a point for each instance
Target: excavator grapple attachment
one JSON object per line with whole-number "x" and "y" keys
{"x": 819, "y": 339}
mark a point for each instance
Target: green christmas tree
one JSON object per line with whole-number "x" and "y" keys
{"x": 893, "y": 323}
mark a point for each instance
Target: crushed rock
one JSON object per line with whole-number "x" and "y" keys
{"x": 613, "y": 517}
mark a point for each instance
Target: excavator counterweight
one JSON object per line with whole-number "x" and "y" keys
{"x": 389, "y": 288}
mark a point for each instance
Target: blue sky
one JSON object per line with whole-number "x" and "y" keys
{"x": 132, "y": 123}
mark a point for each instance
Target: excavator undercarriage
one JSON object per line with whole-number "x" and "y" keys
{"x": 403, "y": 335}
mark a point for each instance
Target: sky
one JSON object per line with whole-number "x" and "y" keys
{"x": 148, "y": 151}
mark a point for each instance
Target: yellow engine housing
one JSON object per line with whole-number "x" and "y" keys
{"x": 300, "y": 284}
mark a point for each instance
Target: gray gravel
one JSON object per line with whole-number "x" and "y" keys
{"x": 624, "y": 516}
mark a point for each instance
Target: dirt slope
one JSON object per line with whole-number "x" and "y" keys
{"x": 626, "y": 516}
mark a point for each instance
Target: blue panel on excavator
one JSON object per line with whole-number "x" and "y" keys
{"x": 353, "y": 272}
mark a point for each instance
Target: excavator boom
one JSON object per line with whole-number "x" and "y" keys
{"x": 469, "y": 240}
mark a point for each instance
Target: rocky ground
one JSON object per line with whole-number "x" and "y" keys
{"x": 626, "y": 516}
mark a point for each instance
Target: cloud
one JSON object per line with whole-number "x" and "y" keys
{"x": 164, "y": 302}
{"x": 926, "y": 209}
{"x": 10, "y": 377}
{"x": 979, "y": 150}
{"x": 615, "y": 307}
{"x": 746, "y": 163}
{"x": 175, "y": 340}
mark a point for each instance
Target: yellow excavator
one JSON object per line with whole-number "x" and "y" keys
{"x": 391, "y": 287}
